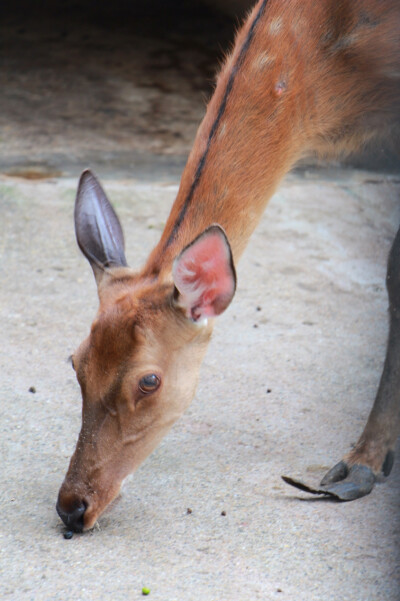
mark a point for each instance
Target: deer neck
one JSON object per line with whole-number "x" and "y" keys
{"x": 248, "y": 140}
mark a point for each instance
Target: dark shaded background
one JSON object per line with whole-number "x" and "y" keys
{"x": 121, "y": 86}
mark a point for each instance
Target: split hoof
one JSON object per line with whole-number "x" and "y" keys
{"x": 349, "y": 483}
{"x": 341, "y": 483}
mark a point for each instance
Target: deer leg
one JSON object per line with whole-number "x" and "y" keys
{"x": 373, "y": 455}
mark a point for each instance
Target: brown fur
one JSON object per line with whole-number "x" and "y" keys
{"x": 304, "y": 77}
{"x": 338, "y": 63}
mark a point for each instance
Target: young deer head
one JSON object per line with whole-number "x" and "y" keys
{"x": 139, "y": 366}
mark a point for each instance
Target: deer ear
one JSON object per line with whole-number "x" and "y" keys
{"x": 97, "y": 227}
{"x": 204, "y": 275}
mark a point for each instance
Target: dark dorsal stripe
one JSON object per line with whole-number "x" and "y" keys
{"x": 216, "y": 123}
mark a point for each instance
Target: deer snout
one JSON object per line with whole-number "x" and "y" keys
{"x": 71, "y": 510}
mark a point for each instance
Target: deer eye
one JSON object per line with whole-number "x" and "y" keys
{"x": 149, "y": 383}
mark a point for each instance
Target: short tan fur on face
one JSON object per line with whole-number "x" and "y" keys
{"x": 121, "y": 425}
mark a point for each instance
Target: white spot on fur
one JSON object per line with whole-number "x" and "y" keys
{"x": 275, "y": 26}
{"x": 263, "y": 60}
{"x": 201, "y": 323}
{"x": 222, "y": 129}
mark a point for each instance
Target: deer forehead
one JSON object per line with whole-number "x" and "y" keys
{"x": 142, "y": 331}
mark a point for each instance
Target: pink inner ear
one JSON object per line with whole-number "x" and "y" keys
{"x": 204, "y": 275}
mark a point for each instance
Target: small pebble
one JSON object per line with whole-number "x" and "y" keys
{"x": 188, "y": 510}
{"x": 223, "y": 512}
{"x": 145, "y": 591}
{"x": 32, "y": 389}
{"x": 269, "y": 390}
{"x": 68, "y": 534}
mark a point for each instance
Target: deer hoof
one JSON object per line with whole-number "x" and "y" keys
{"x": 341, "y": 483}
{"x": 348, "y": 483}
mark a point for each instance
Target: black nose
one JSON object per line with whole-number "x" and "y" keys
{"x": 73, "y": 519}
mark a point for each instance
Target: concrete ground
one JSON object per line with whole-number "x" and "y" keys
{"x": 285, "y": 388}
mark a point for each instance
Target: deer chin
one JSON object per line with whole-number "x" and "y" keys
{"x": 101, "y": 504}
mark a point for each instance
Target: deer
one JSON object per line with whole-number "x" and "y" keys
{"x": 303, "y": 78}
